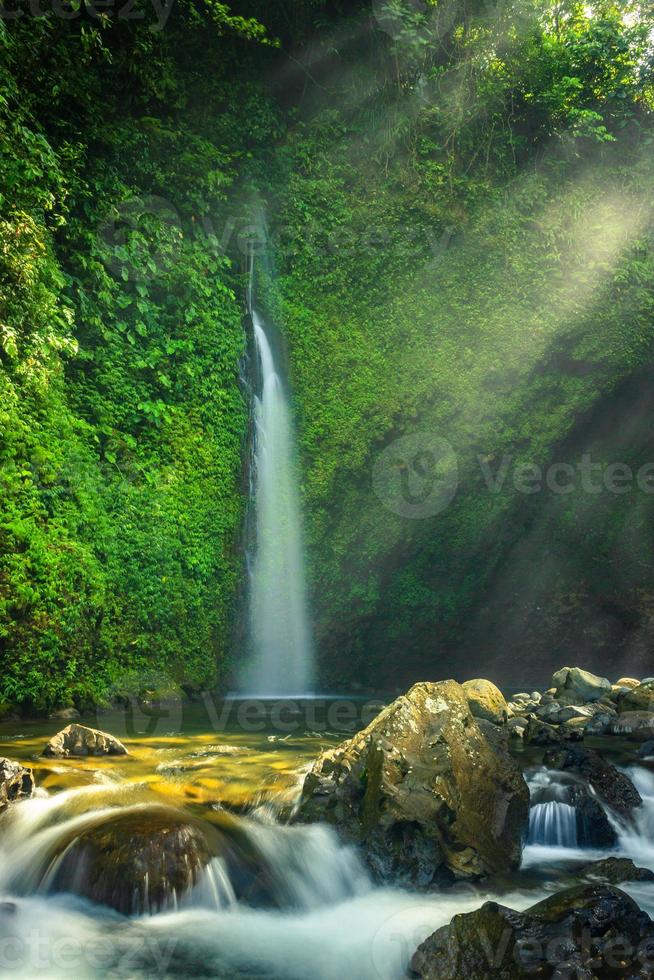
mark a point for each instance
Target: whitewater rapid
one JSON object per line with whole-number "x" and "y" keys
{"x": 331, "y": 921}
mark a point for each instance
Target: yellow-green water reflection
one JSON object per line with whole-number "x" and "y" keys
{"x": 192, "y": 763}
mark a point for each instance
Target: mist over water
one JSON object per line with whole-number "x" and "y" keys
{"x": 282, "y": 655}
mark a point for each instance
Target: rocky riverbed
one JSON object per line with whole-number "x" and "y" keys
{"x": 453, "y": 814}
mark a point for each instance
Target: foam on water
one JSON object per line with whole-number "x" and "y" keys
{"x": 331, "y": 921}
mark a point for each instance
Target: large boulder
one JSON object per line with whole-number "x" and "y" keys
{"x": 640, "y": 698}
{"x": 551, "y": 939}
{"x": 611, "y": 785}
{"x": 486, "y": 701}
{"x": 576, "y": 686}
{"x": 16, "y": 782}
{"x": 423, "y": 791}
{"x": 78, "y": 740}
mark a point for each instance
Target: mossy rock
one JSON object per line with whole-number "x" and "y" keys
{"x": 16, "y": 782}
{"x": 78, "y": 740}
{"x": 576, "y": 686}
{"x": 550, "y": 939}
{"x": 425, "y": 791}
{"x": 486, "y": 701}
{"x": 640, "y": 698}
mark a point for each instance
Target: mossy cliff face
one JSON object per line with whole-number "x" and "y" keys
{"x": 521, "y": 349}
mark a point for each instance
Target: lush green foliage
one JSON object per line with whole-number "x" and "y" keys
{"x": 459, "y": 202}
{"x": 123, "y": 422}
{"x": 479, "y": 269}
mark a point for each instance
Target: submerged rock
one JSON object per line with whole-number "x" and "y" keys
{"x": 587, "y": 931}
{"x": 135, "y": 861}
{"x": 486, "y": 701}
{"x": 616, "y": 870}
{"x": 611, "y": 785}
{"x": 16, "y": 782}
{"x": 576, "y": 686}
{"x": 423, "y": 791}
{"x": 209, "y": 751}
{"x": 78, "y": 740}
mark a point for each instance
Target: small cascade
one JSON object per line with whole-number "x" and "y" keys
{"x": 636, "y": 838}
{"x": 553, "y": 824}
{"x": 553, "y": 816}
{"x": 308, "y": 864}
{"x": 144, "y": 858}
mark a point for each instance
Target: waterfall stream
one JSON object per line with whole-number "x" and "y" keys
{"x": 281, "y": 657}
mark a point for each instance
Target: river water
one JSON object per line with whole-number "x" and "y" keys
{"x": 322, "y": 917}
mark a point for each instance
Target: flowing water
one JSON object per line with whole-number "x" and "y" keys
{"x": 553, "y": 823}
{"x": 280, "y": 901}
{"x": 282, "y": 656}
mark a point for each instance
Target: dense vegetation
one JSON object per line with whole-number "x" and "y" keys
{"x": 459, "y": 205}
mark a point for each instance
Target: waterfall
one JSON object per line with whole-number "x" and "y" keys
{"x": 282, "y": 656}
{"x": 553, "y": 824}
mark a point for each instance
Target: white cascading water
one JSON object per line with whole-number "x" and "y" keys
{"x": 552, "y": 821}
{"x": 327, "y": 921}
{"x": 282, "y": 655}
{"x": 553, "y": 824}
